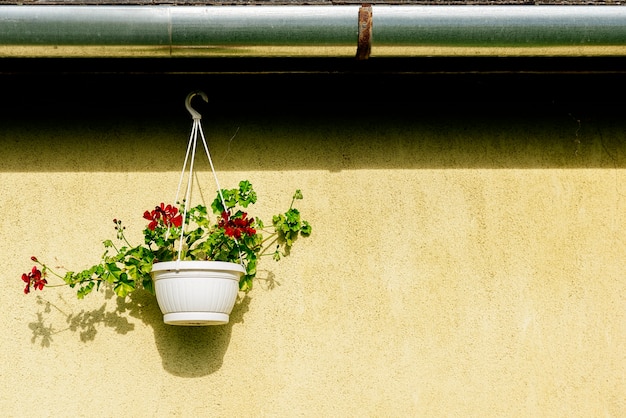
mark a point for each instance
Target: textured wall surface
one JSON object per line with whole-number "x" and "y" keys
{"x": 462, "y": 263}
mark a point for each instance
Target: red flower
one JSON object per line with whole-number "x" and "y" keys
{"x": 238, "y": 226}
{"x": 163, "y": 215}
{"x": 151, "y": 217}
{"x": 35, "y": 279}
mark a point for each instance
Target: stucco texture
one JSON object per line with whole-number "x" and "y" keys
{"x": 463, "y": 262}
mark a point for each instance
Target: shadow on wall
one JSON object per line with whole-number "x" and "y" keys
{"x": 313, "y": 137}
{"x": 194, "y": 351}
{"x": 85, "y": 323}
{"x": 185, "y": 351}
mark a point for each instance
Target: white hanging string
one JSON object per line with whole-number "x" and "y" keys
{"x": 193, "y": 141}
{"x": 191, "y": 149}
{"x": 182, "y": 173}
{"x": 208, "y": 154}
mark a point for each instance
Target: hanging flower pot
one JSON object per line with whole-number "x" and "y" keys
{"x": 196, "y": 292}
{"x": 194, "y": 258}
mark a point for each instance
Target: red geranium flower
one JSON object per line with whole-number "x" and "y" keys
{"x": 238, "y": 226}
{"x": 163, "y": 215}
{"x": 35, "y": 279}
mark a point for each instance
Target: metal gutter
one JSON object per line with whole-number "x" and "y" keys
{"x": 311, "y": 31}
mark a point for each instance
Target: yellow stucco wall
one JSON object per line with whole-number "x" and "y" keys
{"x": 462, "y": 264}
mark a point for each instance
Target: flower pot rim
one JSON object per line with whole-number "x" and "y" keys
{"x": 198, "y": 265}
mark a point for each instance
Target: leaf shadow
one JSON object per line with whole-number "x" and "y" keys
{"x": 184, "y": 351}
{"x": 85, "y": 322}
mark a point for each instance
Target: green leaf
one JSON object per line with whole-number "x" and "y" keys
{"x": 85, "y": 290}
{"x": 245, "y": 284}
{"x": 305, "y": 230}
{"x": 246, "y": 195}
{"x": 124, "y": 285}
{"x": 148, "y": 284}
{"x": 114, "y": 270}
{"x": 122, "y": 289}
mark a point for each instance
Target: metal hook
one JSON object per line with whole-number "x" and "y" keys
{"x": 191, "y": 110}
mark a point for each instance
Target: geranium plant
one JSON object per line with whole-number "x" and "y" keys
{"x": 223, "y": 232}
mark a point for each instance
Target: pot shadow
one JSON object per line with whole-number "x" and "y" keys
{"x": 185, "y": 351}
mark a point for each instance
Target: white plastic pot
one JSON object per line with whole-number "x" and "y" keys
{"x": 196, "y": 292}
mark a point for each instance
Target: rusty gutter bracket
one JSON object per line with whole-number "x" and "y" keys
{"x": 364, "y": 45}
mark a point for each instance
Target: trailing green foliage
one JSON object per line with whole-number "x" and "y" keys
{"x": 228, "y": 233}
